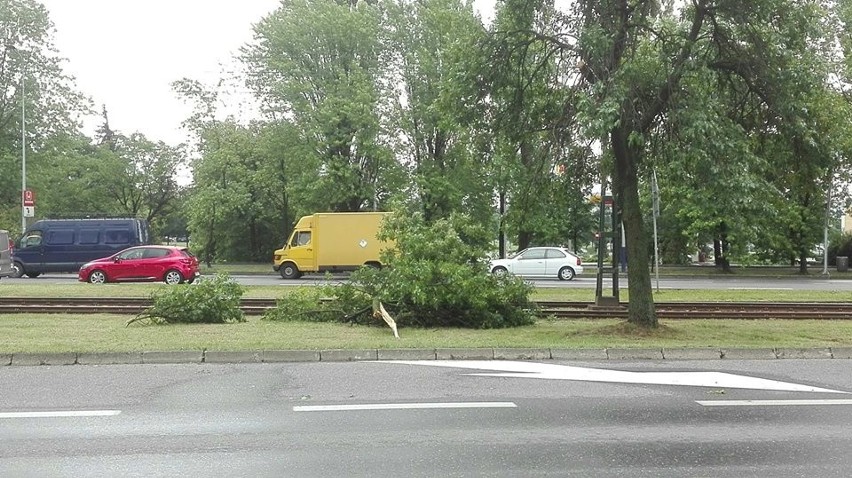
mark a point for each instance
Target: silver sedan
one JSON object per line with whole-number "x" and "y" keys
{"x": 540, "y": 262}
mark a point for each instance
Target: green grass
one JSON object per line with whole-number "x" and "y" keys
{"x": 107, "y": 333}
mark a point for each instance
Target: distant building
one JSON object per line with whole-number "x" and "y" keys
{"x": 846, "y": 223}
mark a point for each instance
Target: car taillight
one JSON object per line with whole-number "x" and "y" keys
{"x": 579, "y": 262}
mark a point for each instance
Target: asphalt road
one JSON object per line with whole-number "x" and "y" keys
{"x": 780, "y": 418}
{"x": 582, "y": 282}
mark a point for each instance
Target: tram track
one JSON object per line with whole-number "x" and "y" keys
{"x": 557, "y": 309}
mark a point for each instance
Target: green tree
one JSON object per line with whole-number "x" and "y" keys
{"x": 140, "y": 176}
{"x": 31, "y": 77}
{"x": 542, "y": 168}
{"x": 635, "y": 66}
{"x": 250, "y": 183}
{"x": 424, "y": 40}
{"x": 316, "y": 65}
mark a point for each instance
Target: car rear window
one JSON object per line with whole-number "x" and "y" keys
{"x": 156, "y": 252}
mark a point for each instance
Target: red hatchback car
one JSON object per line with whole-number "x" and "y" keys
{"x": 169, "y": 264}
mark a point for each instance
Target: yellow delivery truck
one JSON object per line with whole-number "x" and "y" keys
{"x": 331, "y": 241}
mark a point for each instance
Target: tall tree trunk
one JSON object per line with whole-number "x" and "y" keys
{"x": 641, "y": 310}
{"x": 720, "y": 248}
{"x": 803, "y": 262}
{"x": 524, "y": 239}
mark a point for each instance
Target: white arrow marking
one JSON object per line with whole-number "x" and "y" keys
{"x": 565, "y": 372}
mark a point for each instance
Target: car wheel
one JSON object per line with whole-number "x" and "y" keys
{"x": 566, "y": 273}
{"x": 97, "y": 277}
{"x": 289, "y": 270}
{"x": 499, "y": 271}
{"x": 173, "y": 277}
{"x": 33, "y": 275}
{"x": 17, "y": 270}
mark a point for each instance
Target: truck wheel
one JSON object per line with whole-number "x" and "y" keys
{"x": 17, "y": 270}
{"x": 289, "y": 270}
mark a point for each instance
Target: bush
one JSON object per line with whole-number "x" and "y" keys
{"x": 315, "y": 304}
{"x": 213, "y": 301}
{"x": 435, "y": 277}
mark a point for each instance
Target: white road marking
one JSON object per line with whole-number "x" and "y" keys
{"x": 765, "y": 403}
{"x": 402, "y": 406}
{"x": 565, "y": 372}
{"x": 760, "y": 288}
{"x": 61, "y": 414}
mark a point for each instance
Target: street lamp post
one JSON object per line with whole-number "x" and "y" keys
{"x": 23, "y": 137}
{"x": 23, "y": 153}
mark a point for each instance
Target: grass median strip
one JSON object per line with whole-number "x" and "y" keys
{"x": 46, "y": 333}
{"x": 68, "y": 333}
{"x": 36, "y": 289}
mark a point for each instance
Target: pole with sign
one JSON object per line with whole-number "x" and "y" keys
{"x": 28, "y": 204}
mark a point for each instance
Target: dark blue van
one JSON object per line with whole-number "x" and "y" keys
{"x": 64, "y": 245}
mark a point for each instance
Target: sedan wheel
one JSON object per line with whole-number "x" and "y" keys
{"x": 499, "y": 271}
{"x": 566, "y": 273}
{"x": 173, "y": 277}
{"x": 97, "y": 277}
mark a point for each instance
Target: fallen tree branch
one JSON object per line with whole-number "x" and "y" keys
{"x": 380, "y": 312}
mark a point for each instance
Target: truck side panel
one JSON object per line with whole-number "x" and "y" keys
{"x": 347, "y": 240}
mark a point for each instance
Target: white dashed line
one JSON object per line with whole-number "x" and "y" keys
{"x": 402, "y": 406}
{"x": 61, "y": 414}
{"x": 769, "y": 403}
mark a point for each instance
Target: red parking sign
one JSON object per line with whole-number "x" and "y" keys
{"x": 29, "y": 197}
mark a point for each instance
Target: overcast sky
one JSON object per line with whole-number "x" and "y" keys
{"x": 126, "y": 53}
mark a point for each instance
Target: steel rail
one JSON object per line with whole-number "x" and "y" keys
{"x": 555, "y": 309}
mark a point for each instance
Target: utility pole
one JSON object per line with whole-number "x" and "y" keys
{"x": 23, "y": 151}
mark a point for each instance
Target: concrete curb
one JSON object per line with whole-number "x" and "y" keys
{"x": 344, "y": 355}
{"x": 748, "y": 354}
{"x": 109, "y": 358}
{"x": 692, "y": 354}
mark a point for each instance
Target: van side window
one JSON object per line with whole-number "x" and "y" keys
{"x": 117, "y": 236}
{"x": 89, "y": 236}
{"x": 60, "y": 237}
